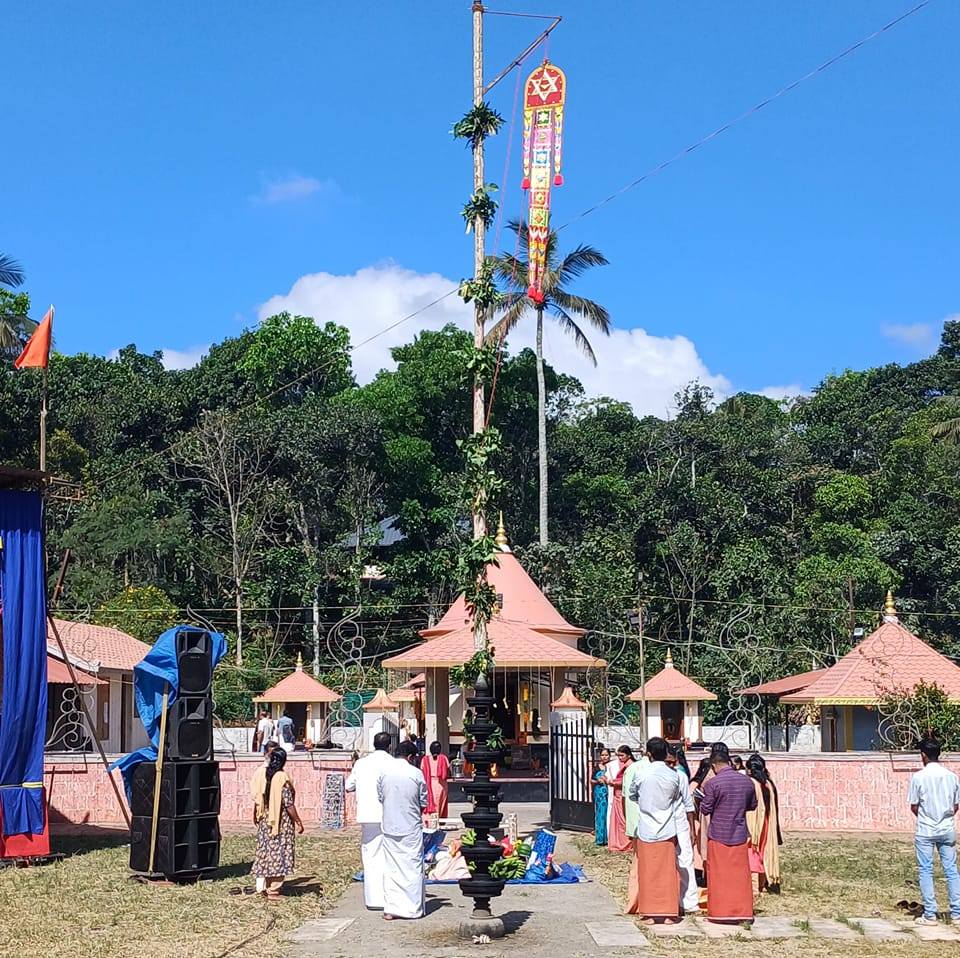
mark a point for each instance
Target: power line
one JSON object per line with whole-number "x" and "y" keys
{"x": 720, "y": 130}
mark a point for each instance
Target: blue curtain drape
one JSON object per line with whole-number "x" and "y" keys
{"x": 23, "y": 719}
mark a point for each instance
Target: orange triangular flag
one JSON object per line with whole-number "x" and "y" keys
{"x": 37, "y": 350}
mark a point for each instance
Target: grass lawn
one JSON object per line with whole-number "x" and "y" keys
{"x": 86, "y": 905}
{"x": 841, "y": 877}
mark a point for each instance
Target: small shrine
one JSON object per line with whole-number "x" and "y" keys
{"x": 674, "y": 704}
{"x": 890, "y": 661}
{"x": 307, "y": 701}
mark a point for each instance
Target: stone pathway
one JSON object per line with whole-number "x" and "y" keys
{"x": 589, "y": 922}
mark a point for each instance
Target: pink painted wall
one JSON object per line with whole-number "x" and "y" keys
{"x": 79, "y": 793}
{"x": 847, "y": 791}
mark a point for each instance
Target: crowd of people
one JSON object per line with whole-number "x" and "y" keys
{"x": 711, "y": 838}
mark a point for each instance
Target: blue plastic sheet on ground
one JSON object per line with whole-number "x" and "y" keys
{"x": 156, "y": 673}
{"x": 569, "y": 875}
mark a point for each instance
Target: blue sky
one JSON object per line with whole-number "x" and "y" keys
{"x": 171, "y": 168}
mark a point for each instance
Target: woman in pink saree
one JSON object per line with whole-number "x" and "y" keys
{"x": 436, "y": 772}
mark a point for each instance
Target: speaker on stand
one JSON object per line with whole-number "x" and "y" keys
{"x": 185, "y": 797}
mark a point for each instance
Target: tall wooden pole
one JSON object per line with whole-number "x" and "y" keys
{"x": 43, "y": 424}
{"x": 479, "y": 255}
{"x": 643, "y": 675}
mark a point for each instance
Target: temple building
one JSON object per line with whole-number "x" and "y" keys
{"x": 674, "y": 704}
{"x": 536, "y": 654}
{"x": 307, "y": 701}
{"x": 891, "y": 661}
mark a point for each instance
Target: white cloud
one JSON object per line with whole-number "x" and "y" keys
{"x": 183, "y": 358}
{"x": 791, "y": 391}
{"x": 289, "y": 189}
{"x": 632, "y": 365}
{"x": 174, "y": 358}
{"x": 915, "y": 335}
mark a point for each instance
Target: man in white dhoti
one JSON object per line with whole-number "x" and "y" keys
{"x": 363, "y": 780}
{"x": 403, "y": 794}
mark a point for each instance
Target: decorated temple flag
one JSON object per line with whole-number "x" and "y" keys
{"x": 37, "y": 350}
{"x": 544, "y": 97}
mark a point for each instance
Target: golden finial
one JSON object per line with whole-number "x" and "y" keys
{"x": 888, "y": 607}
{"x": 502, "y": 539}
{"x": 669, "y": 662}
{"x": 299, "y": 661}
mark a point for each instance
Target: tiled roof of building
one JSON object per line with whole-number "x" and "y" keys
{"x": 514, "y": 646}
{"x": 671, "y": 685}
{"x": 109, "y": 647}
{"x": 522, "y": 601}
{"x": 299, "y": 687}
{"x": 381, "y": 702}
{"x": 791, "y": 683}
{"x": 891, "y": 659}
{"x": 59, "y": 674}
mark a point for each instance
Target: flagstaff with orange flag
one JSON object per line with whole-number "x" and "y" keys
{"x": 37, "y": 354}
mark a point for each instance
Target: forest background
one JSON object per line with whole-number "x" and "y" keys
{"x": 251, "y": 491}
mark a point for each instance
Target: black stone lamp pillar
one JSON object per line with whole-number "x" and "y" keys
{"x": 485, "y": 794}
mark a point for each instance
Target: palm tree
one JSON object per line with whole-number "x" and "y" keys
{"x": 948, "y": 431}
{"x": 562, "y": 305}
{"x": 12, "y": 325}
{"x": 11, "y": 272}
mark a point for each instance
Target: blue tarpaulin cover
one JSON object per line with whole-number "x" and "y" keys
{"x": 157, "y": 671}
{"x": 23, "y": 723}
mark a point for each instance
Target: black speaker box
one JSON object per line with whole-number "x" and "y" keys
{"x": 185, "y": 846}
{"x": 190, "y": 729}
{"x": 186, "y": 788}
{"x": 194, "y": 661}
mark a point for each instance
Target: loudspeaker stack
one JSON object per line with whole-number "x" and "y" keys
{"x": 188, "y": 827}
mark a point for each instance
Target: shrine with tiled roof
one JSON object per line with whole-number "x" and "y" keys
{"x": 536, "y": 651}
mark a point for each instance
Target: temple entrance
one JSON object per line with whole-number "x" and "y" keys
{"x": 671, "y": 715}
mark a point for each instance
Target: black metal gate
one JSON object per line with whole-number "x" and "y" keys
{"x": 571, "y": 761}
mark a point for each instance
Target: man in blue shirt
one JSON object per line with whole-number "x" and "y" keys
{"x": 934, "y": 798}
{"x": 285, "y": 732}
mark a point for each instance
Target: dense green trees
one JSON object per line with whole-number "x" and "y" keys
{"x": 247, "y": 492}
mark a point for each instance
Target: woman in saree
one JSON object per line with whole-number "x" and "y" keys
{"x": 617, "y": 840}
{"x": 436, "y": 773}
{"x": 601, "y": 803}
{"x": 275, "y": 816}
{"x": 764, "y": 827}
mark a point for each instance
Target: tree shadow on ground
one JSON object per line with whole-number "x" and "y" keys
{"x": 513, "y": 921}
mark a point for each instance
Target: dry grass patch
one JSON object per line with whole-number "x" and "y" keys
{"x": 86, "y": 905}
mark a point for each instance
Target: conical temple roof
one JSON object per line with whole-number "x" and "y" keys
{"x": 523, "y": 603}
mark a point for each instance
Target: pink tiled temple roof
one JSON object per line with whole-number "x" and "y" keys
{"x": 671, "y": 685}
{"x": 891, "y": 659}
{"x": 514, "y": 646}
{"x": 522, "y": 602}
{"x": 298, "y": 687}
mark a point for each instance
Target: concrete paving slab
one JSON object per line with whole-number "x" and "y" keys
{"x": 832, "y": 930}
{"x": 939, "y": 932}
{"x": 879, "y": 929}
{"x": 713, "y": 929}
{"x": 617, "y": 933}
{"x": 322, "y": 929}
{"x": 775, "y": 927}
{"x": 683, "y": 929}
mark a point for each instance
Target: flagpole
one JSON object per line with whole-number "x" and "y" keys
{"x": 43, "y": 408}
